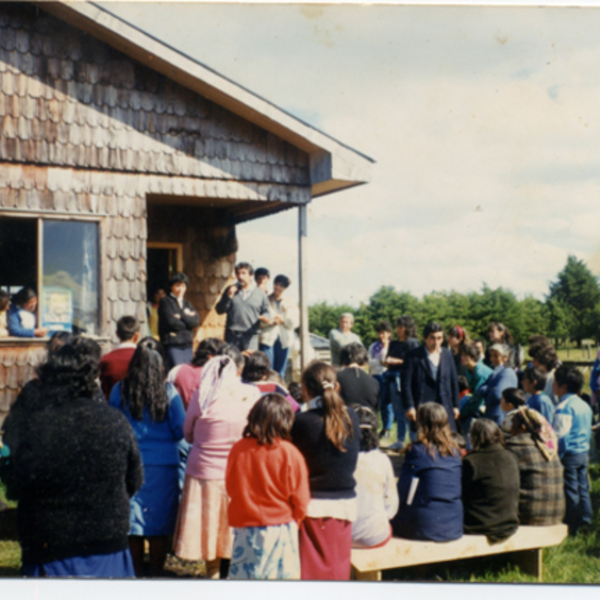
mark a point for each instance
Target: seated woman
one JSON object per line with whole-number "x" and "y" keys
{"x": 21, "y": 315}
{"x": 490, "y": 484}
{"x": 512, "y": 400}
{"x": 257, "y": 370}
{"x": 534, "y": 443}
{"x": 356, "y": 385}
{"x": 376, "y": 494}
{"x": 430, "y": 481}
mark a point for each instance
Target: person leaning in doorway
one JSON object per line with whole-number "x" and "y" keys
{"x": 176, "y": 321}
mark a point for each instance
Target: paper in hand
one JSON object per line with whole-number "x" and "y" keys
{"x": 412, "y": 490}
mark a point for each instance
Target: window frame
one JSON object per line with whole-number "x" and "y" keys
{"x": 40, "y": 217}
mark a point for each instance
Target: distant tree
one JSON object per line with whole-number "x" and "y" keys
{"x": 595, "y": 323}
{"x": 323, "y": 317}
{"x": 497, "y": 305}
{"x": 535, "y": 318}
{"x": 559, "y": 321}
{"x": 386, "y": 304}
{"x": 577, "y": 290}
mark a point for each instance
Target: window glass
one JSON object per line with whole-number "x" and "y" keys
{"x": 69, "y": 298}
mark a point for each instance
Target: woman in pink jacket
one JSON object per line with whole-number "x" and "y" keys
{"x": 214, "y": 421}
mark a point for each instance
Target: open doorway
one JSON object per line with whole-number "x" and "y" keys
{"x": 163, "y": 260}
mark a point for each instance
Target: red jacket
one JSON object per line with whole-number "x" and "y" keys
{"x": 268, "y": 484}
{"x": 113, "y": 368}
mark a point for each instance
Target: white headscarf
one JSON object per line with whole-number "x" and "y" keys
{"x": 219, "y": 376}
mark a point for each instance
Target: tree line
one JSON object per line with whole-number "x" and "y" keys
{"x": 569, "y": 312}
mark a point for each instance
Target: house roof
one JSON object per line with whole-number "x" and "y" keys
{"x": 333, "y": 165}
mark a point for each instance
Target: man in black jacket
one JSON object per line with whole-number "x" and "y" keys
{"x": 176, "y": 321}
{"x": 430, "y": 376}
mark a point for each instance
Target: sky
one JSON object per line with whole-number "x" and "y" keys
{"x": 484, "y": 124}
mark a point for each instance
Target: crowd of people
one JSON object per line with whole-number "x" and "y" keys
{"x": 209, "y": 453}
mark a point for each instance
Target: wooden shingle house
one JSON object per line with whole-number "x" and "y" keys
{"x": 121, "y": 160}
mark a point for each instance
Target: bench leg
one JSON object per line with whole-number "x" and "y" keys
{"x": 366, "y": 575}
{"x": 530, "y": 562}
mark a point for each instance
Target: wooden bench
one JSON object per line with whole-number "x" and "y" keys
{"x": 527, "y": 544}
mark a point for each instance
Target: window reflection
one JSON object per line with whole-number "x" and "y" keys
{"x": 70, "y": 276}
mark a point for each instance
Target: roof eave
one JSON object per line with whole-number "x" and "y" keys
{"x": 334, "y": 166}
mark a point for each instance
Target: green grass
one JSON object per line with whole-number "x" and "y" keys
{"x": 10, "y": 551}
{"x": 574, "y": 353}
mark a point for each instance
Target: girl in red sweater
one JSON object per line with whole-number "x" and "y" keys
{"x": 267, "y": 481}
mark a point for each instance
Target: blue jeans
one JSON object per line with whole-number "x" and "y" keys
{"x": 278, "y": 357}
{"x": 399, "y": 412}
{"x": 242, "y": 340}
{"x": 577, "y": 491}
{"x": 385, "y": 401}
{"x": 178, "y": 356}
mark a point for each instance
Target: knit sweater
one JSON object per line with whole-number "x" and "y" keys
{"x": 542, "y": 496}
{"x": 376, "y": 498}
{"x": 357, "y": 387}
{"x": 77, "y": 465}
{"x": 331, "y": 472}
{"x": 242, "y": 313}
{"x": 268, "y": 484}
{"x": 114, "y": 366}
{"x": 491, "y": 492}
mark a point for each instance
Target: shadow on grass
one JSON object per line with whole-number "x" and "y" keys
{"x": 8, "y": 525}
{"x": 493, "y": 568}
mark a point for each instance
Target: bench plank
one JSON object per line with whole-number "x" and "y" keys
{"x": 399, "y": 553}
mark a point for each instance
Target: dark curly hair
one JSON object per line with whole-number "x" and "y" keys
{"x": 368, "y": 427}
{"x": 71, "y": 370}
{"x": 206, "y": 350}
{"x": 257, "y": 367}
{"x": 409, "y": 325}
{"x": 144, "y": 385}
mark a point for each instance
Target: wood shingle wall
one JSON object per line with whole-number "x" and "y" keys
{"x": 68, "y": 99}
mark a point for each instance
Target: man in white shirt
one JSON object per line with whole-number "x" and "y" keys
{"x": 276, "y": 339}
{"x": 430, "y": 376}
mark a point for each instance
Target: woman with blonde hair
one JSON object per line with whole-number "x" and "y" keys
{"x": 430, "y": 481}
{"x": 328, "y": 436}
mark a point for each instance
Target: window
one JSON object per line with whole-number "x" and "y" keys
{"x": 59, "y": 259}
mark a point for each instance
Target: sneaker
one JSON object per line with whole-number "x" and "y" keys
{"x": 384, "y": 434}
{"x": 396, "y": 446}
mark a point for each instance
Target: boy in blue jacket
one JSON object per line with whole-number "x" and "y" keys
{"x": 573, "y": 427}
{"x": 534, "y": 382}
